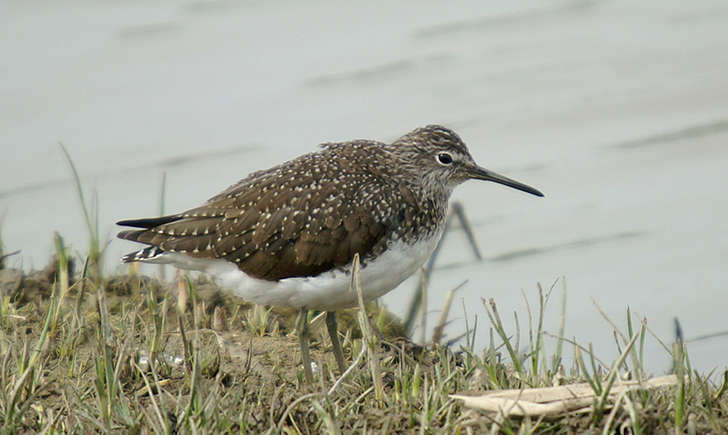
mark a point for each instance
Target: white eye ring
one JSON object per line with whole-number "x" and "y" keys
{"x": 445, "y": 159}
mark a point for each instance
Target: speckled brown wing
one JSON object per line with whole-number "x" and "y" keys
{"x": 286, "y": 222}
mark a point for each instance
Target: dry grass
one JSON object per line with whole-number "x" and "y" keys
{"x": 132, "y": 354}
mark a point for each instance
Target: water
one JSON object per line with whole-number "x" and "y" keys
{"x": 618, "y": 111}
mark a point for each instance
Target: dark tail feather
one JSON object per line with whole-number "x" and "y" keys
{"x": 148, "y": 253}
{"x": 132, "y": 235}
{"x": 149, "y": 222}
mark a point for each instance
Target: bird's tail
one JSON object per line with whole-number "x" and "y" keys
{"x": 147, "y": 255}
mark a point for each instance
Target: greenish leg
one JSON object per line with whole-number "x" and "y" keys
{"x": 303, "y": 339}
{"x": 332, "y": 326}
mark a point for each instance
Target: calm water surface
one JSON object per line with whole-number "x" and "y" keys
{"x": 618, "y": 111}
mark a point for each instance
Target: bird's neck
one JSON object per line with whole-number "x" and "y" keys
{"x": 431, "y": 194}
{"x": 424, "y": 212}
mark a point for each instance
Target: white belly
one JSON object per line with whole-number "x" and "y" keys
{"x": 328, "y": 291}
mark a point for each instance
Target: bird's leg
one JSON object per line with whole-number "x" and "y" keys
{"x": 303, "y": 338}
{"x": 332, "y": 326}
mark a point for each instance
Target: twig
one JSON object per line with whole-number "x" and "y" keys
{"x": 707, "y": 336}
{"x": 459, "y": 211}
{"x": 348, "y": 371}
{"x": 367, "y": 335}
{"x": 9, "y": 254}
{"x": 292, "y": 405}
{"x": 437, "y": 332}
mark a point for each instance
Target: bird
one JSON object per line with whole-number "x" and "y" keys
{"x": 287, "y": 236}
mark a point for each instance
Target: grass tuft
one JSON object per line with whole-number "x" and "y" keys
{"x": 132, "y": 354}
{"x": 91, "y": 218}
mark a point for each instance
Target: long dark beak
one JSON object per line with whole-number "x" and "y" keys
{"x": 478, "y": 173}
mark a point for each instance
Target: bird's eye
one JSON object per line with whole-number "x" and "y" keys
{"x": 444, "y": 158}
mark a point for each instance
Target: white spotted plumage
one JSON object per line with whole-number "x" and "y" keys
{"x": 328, "y": 291}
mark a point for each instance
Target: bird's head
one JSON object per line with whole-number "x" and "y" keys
{"x": 440, "y": 159}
